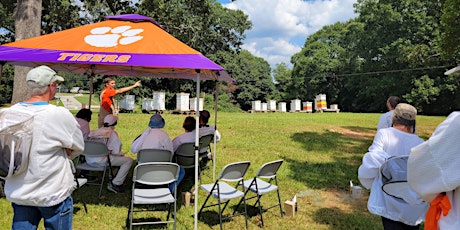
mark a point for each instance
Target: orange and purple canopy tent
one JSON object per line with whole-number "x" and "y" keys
{"x": 128, "y": 45}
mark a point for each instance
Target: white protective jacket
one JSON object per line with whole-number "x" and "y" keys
{"x": 389, "y": 142}
{"x": 49, "y": 179}
{"x": 434, "y": 167}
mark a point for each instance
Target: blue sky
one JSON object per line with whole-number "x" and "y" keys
{"x": 280, "y": 27}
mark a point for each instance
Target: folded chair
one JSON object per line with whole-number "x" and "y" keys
{"x": 160, "y": 175}
{"x": 154, "y": 155}
{"x": 223, "y": 192}
{"x": 96, "y": 149}
{"x": 260, "y": 186}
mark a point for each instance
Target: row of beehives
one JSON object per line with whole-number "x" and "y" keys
{"x": 296, "y": 105}
{"x": 183, "y": 102}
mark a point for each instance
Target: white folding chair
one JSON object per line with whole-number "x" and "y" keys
{"x": 154, "y": 155}
{"x": 79, "y": 181}
{"x": 185, "y": 155}
{"x": 205, "y": 142}
{"x": 96, "y": 149}
{"x": 160, "y": 175}
{"x": 260, "y": 186}
{"x": 224, "y": 192}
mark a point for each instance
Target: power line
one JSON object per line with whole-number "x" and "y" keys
{"x": 390, "y": 71}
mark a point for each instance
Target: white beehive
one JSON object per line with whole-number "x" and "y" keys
{"x": 263, "y": 106}
{"x": 193, "y": 104}
{"x": 147, "y": 104}
{"x": 295, "y": 105}
{"x": 282, "y": 106}
{"x": 271, "y": 105}
{"x": 256, "y": 105}
{"x": 127, "y": 103}
{"x": 158, "y": 101}
{"x": 182, "y": 102}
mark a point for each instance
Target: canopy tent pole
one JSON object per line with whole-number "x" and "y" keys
{"x": 1, "y": 71}
{"x": 91, "y": 88}
{"x": 197, "y": 143}
{"x": 215, "y": 127}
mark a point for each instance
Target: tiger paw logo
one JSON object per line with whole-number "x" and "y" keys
{"x": 108, "y": 37}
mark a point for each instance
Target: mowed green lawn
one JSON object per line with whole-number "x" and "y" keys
{"x": 321, "y": 152}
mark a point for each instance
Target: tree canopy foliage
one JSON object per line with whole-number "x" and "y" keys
{"x": 392, "y": 48}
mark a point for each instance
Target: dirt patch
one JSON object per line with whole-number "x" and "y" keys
{"x": 366, "y": 134}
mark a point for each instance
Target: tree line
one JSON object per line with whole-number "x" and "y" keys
{"x": 393, "y": 47}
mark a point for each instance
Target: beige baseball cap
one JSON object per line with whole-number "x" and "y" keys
{"x": 405, "y": 111}
{"x": 43, "y": 76}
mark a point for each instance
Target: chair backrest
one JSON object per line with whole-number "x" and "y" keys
{"x": 234, "y": 171}
{"x": 156, "y": 173}
{"x": 103, "y": 140}
{"x": 154, "y": 155}
{"x": 205, "y": 141}
{"x": 93, "y": 149}
{"x": 269, "y": 169}
{"x": 185, "y": 155}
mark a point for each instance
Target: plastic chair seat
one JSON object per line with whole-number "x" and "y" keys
{"x": 86, "y": 166}
{"x": 227, "y": 192}
{"x": 262, "y": 186}
{"x": 152, "y": 196}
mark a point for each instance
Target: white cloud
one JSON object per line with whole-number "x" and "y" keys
{"x": 280, "y": 27}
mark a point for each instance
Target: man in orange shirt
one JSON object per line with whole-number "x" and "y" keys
{"x": 106, "y": 98}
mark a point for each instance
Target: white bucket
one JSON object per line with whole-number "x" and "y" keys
{"x": 356, "y": 192}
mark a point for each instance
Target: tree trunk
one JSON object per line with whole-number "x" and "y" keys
{"x": 27, "y": 22}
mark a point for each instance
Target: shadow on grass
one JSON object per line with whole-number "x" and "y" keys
{"x": 89, "y": 193}
{"x": 333, "y": 157}
{"x": 210, "y": 216}
{"x": 338, "y": 220}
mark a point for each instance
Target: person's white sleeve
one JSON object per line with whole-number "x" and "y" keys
{"x": 370, "y": 166}
{"x": 377, "y": 143}
{"x": 434, "y": 166}
{"x": 136, "y": 146}
{"x": 217, "y": 136}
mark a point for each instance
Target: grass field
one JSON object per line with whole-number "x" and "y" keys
{"x": 321, "y": 152}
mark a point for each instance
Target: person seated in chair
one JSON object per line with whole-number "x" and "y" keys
{"x": 206, "y": 129}
{"x": 155, "y": 138}
{"x": 117, "y": 157}
{"x": 83, "y": 118}
{"x": 188, "y": 136}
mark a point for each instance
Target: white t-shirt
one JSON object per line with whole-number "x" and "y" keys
{"x": 385, "y": 120}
